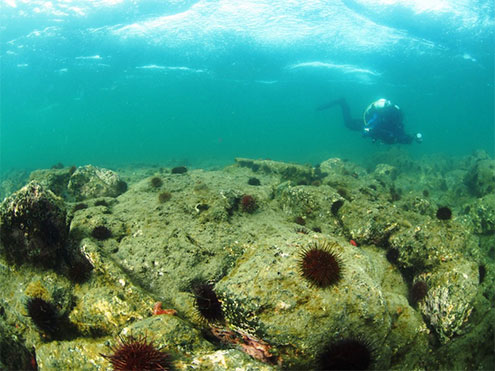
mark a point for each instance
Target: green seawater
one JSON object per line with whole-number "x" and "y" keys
{"x": 200, "y": 121}
{"x": 200, "y": 83}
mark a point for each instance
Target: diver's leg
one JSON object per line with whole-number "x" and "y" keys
{"x": 405, "y": 139}
{"x": 331, "y": 104}
{"x": 350, "y": 123}
{"x": 355, "y": 124}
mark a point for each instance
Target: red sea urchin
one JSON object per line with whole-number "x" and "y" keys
{"x": 248, "y": 204}
{"x": 137, "y": 354}
{"x": 321, "y": 264}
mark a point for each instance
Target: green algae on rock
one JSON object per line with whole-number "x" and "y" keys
{"x": 158, "y": 249}
{"x": 91, "y": 182}
{"x": 33, "y": 226}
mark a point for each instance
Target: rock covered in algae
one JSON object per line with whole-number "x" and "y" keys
{"x": 481, "y": 177}
{"x": 385, "y": 173}
{"x": 370, "y": 222}
{"x": 428, "y": 244}
{"x": 449, "y": 300}
{"x": 482, "y": 214}
{"x": 253, "y": 263}
{"x": 14, "y": 355}
{"x": 11, "y": 181}
{"x": 55, "y": 180}
{"x": 33, "y": 225}
{"x": 227, "y": 359}
{"x": 297, "y": 174}
{"x": 80, "y": 354}
{"x": 91, "y": 182}
{"x": 265, "y": 295}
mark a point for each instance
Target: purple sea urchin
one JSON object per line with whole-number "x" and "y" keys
{"x": 336, "y": 207}
{"x": 207, "y": 303}
{"x": 137, "y": 354}
{"x": 444, "y": 213}
{"x": 418, "y": 291}
{"x": 80, "y": 206}
{"x": 164, "y": 197}
{"x": 392, "y": 255}
{"x": 254, "y": 181}
{"x": 179, "y": 170}
{"x": 101, "y": 233}
{"x": 44, "y": 315}
{"x": 321, "y": 265}
{"x": 346, "y": 354}
{"x": 79, "y": 270}
{"x": 156, "y": 182}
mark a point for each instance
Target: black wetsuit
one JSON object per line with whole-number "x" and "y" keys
{"x": 384, "y": 124}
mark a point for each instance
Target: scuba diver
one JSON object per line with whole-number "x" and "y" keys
{"x": 382, "y": 120}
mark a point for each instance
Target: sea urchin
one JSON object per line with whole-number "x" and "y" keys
{"x": 101, "y": 233}
{"x": 444, "y": 213}
{"x": 419, "y": 291}
{"x": 207, "y": 303}
{"x": 44, "y": 315}
{"x": 346, "y": 354}
{"x": 248, "y": 204}
{"x": 156, "y": 182}
{"x": 137, "y": 354}
{"x": 321, "y": 265}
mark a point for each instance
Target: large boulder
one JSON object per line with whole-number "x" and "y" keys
{"x": 90, "y": 182}
{"x": 33, "y": 226}
{"x": 55, "y": 180}
{"x": 481, "y": 177}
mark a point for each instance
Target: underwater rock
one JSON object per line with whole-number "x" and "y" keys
{"x": 429, "y": 244}
{"x": 341, "y": 172}
{"x": 370, "y": 222}
{"x": 296, "y": 201}
{"x": 321, "y": 204}
{"x": 167, "y": 332}
{"x": 297, "y": 174}
{"x": 301, "y": 200}
{"x": 255, "y": 264}
{"x": 385, "y": 173}
{"x": 296, "y": 318}
{"x": 449, "y": 300}
{"x": 90, "y": 182}
{"x": 228, "y": 359}
{"x": 419, "y": 205}
{"x": 14, "y": 354}
{"x": 12, "y": 181}
{"x": 113, "y": 300}
{"x": 481, "y": 177}
{"x": 98, "y": 223}
{"x": 482, "y": 214}
{"x": 55, "y": 180}
{"x": 33, "y": 226}
{"x": 80, "y": 354}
